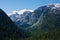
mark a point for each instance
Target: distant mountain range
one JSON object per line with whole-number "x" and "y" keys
{"x": 28, "y": 18}
{"x": 40, "y": 24}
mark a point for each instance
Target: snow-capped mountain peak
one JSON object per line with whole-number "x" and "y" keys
{"x": 19, "y": 12}
{"x": 54, "y": 6}
{"x": 57, "y": 5}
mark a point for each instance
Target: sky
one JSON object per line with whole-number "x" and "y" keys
{"x": 11, "y": 5}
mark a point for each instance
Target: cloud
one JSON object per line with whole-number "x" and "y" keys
{"x": 19, "y": 12}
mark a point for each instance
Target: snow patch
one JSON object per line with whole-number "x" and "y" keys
{"x": 57, "y": 5}
{"x": 54, "y": 6}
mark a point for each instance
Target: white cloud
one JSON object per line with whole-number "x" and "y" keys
{"x": 19, "y": 12}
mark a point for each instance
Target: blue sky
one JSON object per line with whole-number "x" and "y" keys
{"x": 10, "y": 5}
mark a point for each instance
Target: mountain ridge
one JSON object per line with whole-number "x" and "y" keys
{"x": 43, "y": 23}
{"x": 8, "y": 29}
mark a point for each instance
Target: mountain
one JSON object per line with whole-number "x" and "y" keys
{"x": 50, "y": 11}
{"x": 22, "y": 20}
{"x": 48, "y": 25}
{"x": 8, "y": 29}
{"x": 14, "y": 17}
{"x": 43, "y": 23}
